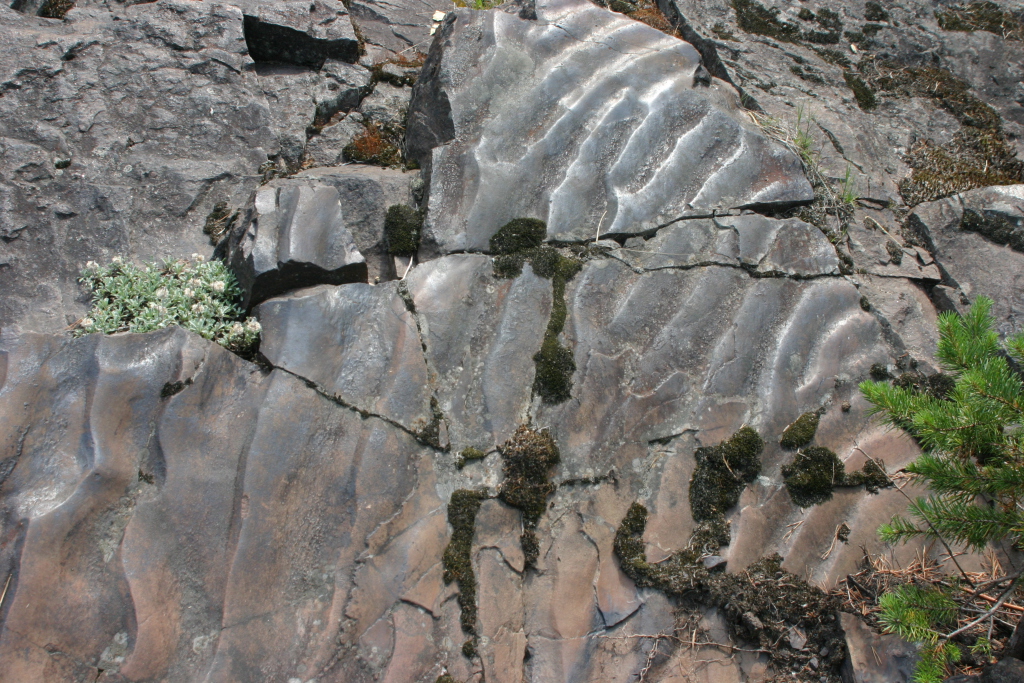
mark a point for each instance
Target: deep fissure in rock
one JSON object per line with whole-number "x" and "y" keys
{"x": 274, "y": 44}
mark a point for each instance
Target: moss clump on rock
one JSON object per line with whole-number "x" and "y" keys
{"x": 520, "y": 241}
{"x": 864, "y": 95}
{"x": 761, "y": 604}
{"x": 680, "y": 573}
{"x": 402, "y": 226}
{"x": 528, "y": 458}
{"x": 377, "y": 145}
{"x": 722, "y": 473}
{"x": 457, "y": 559}
{"x": 753, "y": 17}
{"x": 518, "y": 235}
{"x": 801, "y": 431}
{"x": 981, "y": 16}
{"x": 937, "y": 386}
{"x": 812, "y": 475}
{"x": 873, "y": 11}
{"x": 979, "y": 155}
{"x": 468, "y": 454}
{"x": 993, "y": 227}
{"x": 555, "y": 363}
{"x": 872, "y": 476}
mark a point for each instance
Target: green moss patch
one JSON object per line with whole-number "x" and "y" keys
{"x": 528, "y": 457}
{"x": 816, "y": 472}
{"x": 811, "y": 477}
{"x": 519, "y": 234}
{"x": 468, "y": 454}
{"x": 982, "y": 16}
{"x": 979, "y": 155}
{"x": 402, "y": 226}
{"x": 722, "y": 473}
{"x": 937, "y": 386}
{"x": 864, "y": 95}
{"x": 376, "y": 145}
{"x": 219, "y": 222}
{"x": 761, "y": 604}
{"x": 457, "y": 559}
{"x": 872, "y": 477}
{"x": 994, "y": 227}
{"x": 520, "y": 241}
{"x": 56, "y": 9}
{"x": 873, "y": 11}
{"x": 801, "y": 431}
{"x": 753, "y": 17}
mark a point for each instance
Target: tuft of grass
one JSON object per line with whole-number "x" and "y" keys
{"x": 198, "y": 295}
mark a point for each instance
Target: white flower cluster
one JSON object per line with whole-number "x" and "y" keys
{"x": 198, "y": 295}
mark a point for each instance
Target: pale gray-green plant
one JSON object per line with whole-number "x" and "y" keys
{"x": 198, "y": 295}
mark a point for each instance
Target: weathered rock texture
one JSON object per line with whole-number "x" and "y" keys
{"x": 593, "y": 123}
{"x": 169, "y": 511}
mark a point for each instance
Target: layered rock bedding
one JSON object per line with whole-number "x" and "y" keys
{"x": 556, "y": 300}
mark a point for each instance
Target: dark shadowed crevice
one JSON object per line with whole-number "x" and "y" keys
{"x": 274, "y": 44}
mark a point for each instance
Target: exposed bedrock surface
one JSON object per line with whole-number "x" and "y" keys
{"x": 171, "y": 512}
{"x": 215, "y": 521}
{"x": 587, "y": 120}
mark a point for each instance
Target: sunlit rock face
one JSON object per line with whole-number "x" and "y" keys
{"x": 585, "y": 119}
{"x": 172, "y": 512}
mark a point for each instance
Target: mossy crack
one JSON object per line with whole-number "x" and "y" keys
{"x": 528, "y": 457}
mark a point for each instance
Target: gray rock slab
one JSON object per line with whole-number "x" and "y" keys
{"x": 387, "y": 105}
{"x": 874, "y": 658}
{"x": 761, "y": 245}
{"x": 327, "y": 147}
{"x": 365, "y": 193}
{"x": 480, "y": 334}
{"x": 119, "y": 137}
{"x": 293, "y": 236}
{"x": 804, "y": 81}
{"x": 396, "y": 26}
{"x": 356, "y": 342}
{"x": 158, "y": 534}
{"x": 301, "y": 97}
{"x": 585, "y": 119}
{"x": 973, "y": 237}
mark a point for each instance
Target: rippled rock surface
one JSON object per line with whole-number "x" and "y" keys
{"x": 587, "y": 120}
{"x": 172, "y": 512}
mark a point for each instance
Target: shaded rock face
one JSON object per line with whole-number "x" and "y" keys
{"x": 169, "y": 511}
{"x": 594, "y": 124}
{"x": 295, "y": 236}
{"x": 978, "y": 237}
{"x": 118, "y": 137}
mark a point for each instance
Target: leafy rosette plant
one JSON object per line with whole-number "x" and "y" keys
{"x": 198, "y": 295}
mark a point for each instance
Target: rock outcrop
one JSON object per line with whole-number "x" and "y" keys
{"x": 428, "y": 469}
